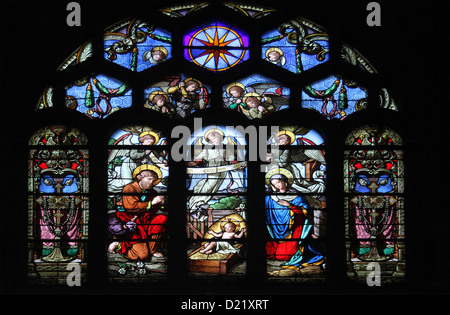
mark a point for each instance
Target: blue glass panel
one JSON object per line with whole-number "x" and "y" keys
{"x": 334, "y": 97}
{"x": 98, "y": 96}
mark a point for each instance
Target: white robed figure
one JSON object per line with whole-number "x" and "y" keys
{"x": 218, "y": 164}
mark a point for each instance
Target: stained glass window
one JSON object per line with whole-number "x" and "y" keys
{"x": 177, "y": 96}
{"x": 98, "y": 96}
{"x": 216, "y": 205}
{"x": 374, "y": 203}
{"x": 58, "y": 204}
{"x": 295, "y": 205}
{"x": 137, "y": 45}
{"x": 137, "y": 204}
{"x": 216, "y": 46}
{"x": 169, "y": 68}
{"x": 297, "y": 45}
{"x": 335, "y": 97}
{"x": 256, "y": 96}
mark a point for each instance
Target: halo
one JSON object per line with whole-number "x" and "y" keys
{"x": 213, "y": 130}
{"x": 286, "y": 132}
{"x": 281, "y": 171}
{"x": 154, "y": 93}
{"x": 249, "y": 95}
{"x": 151, "y": 133}
{"x": 278, "y": 50}
{"x": 148, "y": 167}
{"x": 238, "y": 84}
{"x": 200, "y": 84}
{"x": 232, "y": 220}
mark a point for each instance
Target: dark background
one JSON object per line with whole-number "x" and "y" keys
{"x": 409, "y": 50}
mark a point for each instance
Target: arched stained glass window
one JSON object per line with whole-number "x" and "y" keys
{"x": 216, "y": 46}
{"x": 58, "y": 204}
{"x": 318, "y": 207}
{"x": 217, "y": 203}
{"x": 295, "y": 205}
{"x": 374, "y": 203}
{"x": 137, "y": 201}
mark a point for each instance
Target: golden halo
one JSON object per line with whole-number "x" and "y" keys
{"x": 281, "y": 171}
{"x": 278, "y": 50}
{"x": 151, "y": 133}
{"x": 238, "y": 84}
{"x": 213, "y": 130}
{"x": 161, "y": 48}
{"x": 232, "y": 220}
{"x": 251, "y": 94}
{"x": 154, "y": 93}
{"x": 192, "y": 79}
{"x": 286, "y": 132}
{"x": 148, "y": 167}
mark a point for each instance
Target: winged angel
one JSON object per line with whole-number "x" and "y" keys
{"x": 177, "y": 97}
{"x": 123, "y": 161}
{"x": 255, "y": 100}
{"x": 217, "y": 168}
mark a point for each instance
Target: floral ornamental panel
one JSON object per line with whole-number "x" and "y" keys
{"x": 58, "y": 204}
{"x": 216, "y": 46}
{"x": 137, "y": 205}
{"x": 216, "y": 211}
{"x": 295, "y": 206}
{"x": 256, "y": 96}
{"x": 137, "y": 45}
{"x": 297, "y": 45}
{"x": 334, "y": 97}
{"x": 177, "y": 96}
{"x": 374, "y": 203}
{"x": 98, "y": 96}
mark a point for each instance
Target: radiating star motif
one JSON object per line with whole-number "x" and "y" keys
{"x": 217, "y": 45}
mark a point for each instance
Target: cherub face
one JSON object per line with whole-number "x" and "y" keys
{"x": 253, "y": 102}
{"x": 236, "y": 91}
{"x": 192, "y": 86}
{"x": 273, "y": 55}
{"x": 158, "y": 55}
{"x": 159, "y": 100}
{"x": 148, "y": 140}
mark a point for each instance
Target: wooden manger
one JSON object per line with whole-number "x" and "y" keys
{"x": 215, "y": 263}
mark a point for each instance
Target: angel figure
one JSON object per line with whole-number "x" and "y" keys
{"x": 255, "y": 100}
{"x": 276, "y": 56}
{"x": 208, "y": 162}
{"x": 156, "y": 55}
{"x": 159, "y": 101}
{"x": 188, "y": 95}
{"x": 122, "y": 162}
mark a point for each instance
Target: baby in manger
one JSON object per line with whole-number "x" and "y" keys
{"x": 224, "y": 247}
